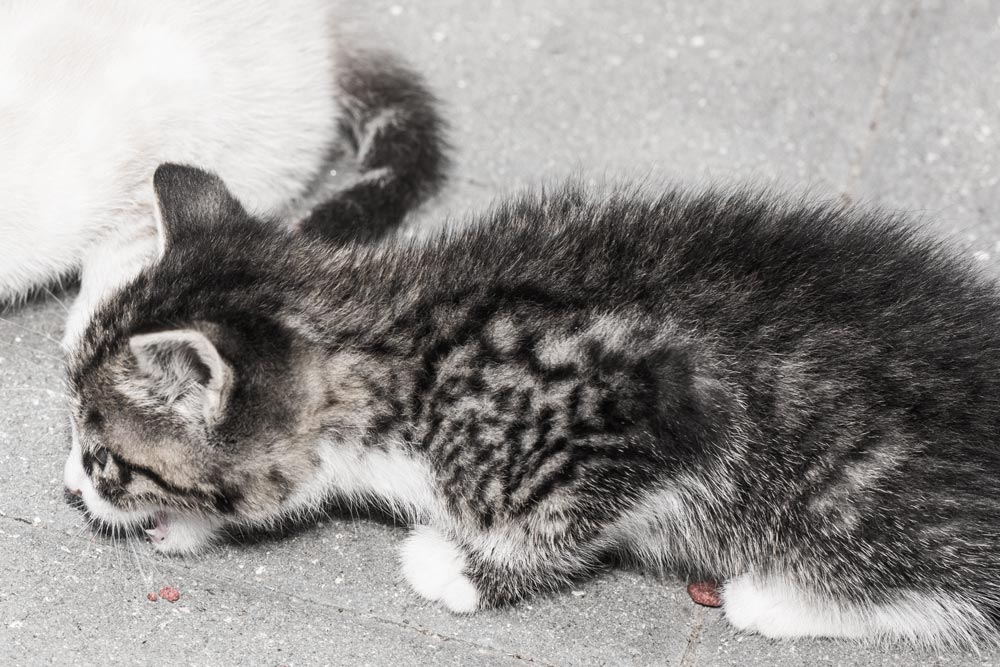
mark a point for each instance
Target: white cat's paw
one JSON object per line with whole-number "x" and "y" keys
{"x": 179, "y": 534}
{"x": 434, "y": 568}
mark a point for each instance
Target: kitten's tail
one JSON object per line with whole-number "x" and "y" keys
{"x": 391, "y": 120}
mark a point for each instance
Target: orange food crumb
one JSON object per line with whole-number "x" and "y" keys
{"x": 705, "y": 593}
{"x": 170, "y": 594}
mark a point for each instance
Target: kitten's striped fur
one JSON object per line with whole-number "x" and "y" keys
{"x": 801, "y": 402}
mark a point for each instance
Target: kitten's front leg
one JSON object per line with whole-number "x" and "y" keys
{"x": 499, "y": 574}
{"x": 434, "y": 566}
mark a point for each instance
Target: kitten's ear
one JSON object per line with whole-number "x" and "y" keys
{"x": 183, "y": 368}
{"x": 189, "y": 198}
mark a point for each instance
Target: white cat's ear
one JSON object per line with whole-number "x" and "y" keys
{"x": 189, "y": 199}
{"x": 185, "y": 370}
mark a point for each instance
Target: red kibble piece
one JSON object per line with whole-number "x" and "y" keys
{"x": 170, "y": 594}
{"x": 151, "y": 597}
{"x": 705, "y": 593}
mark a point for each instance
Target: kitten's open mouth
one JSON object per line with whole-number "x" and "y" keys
{"x": 160, "y": 528}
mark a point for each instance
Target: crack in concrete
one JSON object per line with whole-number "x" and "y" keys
{"x": 359, "y": 616}
{"x": 690, "y": 656}
{"x": 4, "y": 515}
{"x": 885, "y": 80}
{"x": 419, "y": 629}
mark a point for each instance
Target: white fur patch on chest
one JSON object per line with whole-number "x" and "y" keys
{"x": 400, "y": 480}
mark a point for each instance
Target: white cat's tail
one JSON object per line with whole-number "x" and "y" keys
{"x": 391, "y": 119}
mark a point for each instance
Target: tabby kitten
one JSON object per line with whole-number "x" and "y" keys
{"x": 800, "y": 402}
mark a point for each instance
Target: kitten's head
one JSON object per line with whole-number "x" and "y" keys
{"x": 193, "y": 407}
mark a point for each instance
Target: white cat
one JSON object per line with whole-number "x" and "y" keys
{"x": 94, "y": 94}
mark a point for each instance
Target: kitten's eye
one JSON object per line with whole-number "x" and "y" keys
{"x": 101, "y": 456}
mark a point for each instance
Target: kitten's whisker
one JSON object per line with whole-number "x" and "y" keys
{"x": 114, "y": 542}
{"x": 43, "y": 410}
{"x": 57, "y": 299}
{"x": 138, "y": 561}
{"x": 47, "y": 355}
{"x": 85, "y": 533}
{"x": 36, "y": 389}
{"x": 32, "y": 331}
{"x": 79, "y": 531}
{"x": 89, "y": 525}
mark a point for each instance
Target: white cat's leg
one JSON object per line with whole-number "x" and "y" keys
{"x": 434, "y": 568}
{"x": 777, "y": 607}
{"x": 107, "y": 266}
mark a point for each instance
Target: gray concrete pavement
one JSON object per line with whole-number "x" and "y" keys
{"x": 892, "y": 102}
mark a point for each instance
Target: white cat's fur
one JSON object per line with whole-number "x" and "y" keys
{"x": 94, "y": 94}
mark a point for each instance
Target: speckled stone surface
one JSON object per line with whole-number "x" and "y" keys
{"x": 893, "y": 103}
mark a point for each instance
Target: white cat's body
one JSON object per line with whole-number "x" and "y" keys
{"x": 95, "y": 94}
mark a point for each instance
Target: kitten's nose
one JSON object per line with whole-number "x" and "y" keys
{"x": 74, "y": 477}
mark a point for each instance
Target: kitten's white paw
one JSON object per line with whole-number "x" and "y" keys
{"x": 434, "y": 568}
{"x": 178, "y": 534}
{"x": 777, "y": 608}
{"x": 461, "y": 596}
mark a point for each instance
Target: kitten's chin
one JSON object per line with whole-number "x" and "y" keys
{"x": 169, "y": 532}
{"x": 182, "y": 534}
{"x": 117, "y": 521}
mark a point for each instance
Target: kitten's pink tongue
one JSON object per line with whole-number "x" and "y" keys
{"x": 161, "y": 526}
